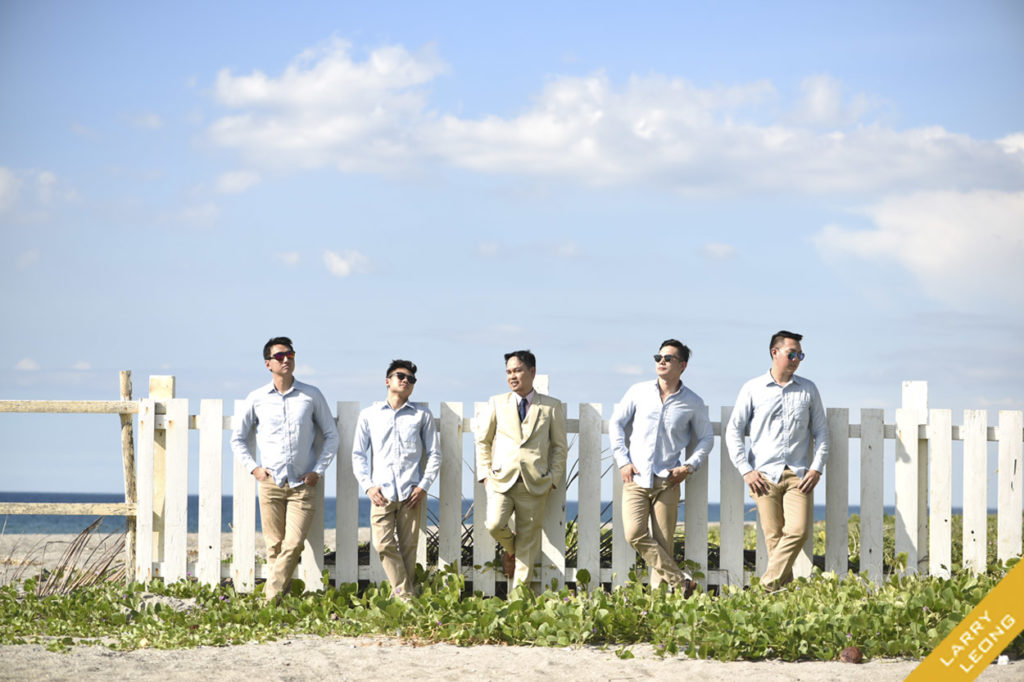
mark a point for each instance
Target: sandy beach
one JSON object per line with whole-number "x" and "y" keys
{"x": 365, "y": 657}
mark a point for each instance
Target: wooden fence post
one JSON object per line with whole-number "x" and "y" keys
{"x": 731, "y": 521}
{"x": 940, "y": 498}
{"x": 346, "y": 505}
{"x": 911, "y": 476}
{"x": 1011, "y": 461}
{"x": 588, "y": 493}
{"x": 872, "y": 475}
{"x": 975, "y": 437}
{"x": 128, "y": 465}
{"x": 449, "y": 486}
{"x": 161, "y": 389}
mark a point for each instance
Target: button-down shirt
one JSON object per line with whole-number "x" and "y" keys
{"x": 388, "y": 448}
{"x": 286, "y": 432}
{"x": 661, "y": 431}
{"x": 782, "y": 420}
{"x": 528, "y": 398}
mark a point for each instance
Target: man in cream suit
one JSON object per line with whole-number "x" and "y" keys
{"x": 521, "y": 448}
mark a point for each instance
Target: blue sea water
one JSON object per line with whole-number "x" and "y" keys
{"x": 53, "y": 524}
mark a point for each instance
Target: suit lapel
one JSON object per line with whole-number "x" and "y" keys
{"x": 531, "y": 418}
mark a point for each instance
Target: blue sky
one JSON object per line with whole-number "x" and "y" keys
{"x": 449, "y": 181}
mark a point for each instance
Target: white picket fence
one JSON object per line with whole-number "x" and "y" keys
{"x": 923, "y": 479}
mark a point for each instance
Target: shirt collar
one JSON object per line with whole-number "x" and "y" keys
{"x": 529, "y": 397}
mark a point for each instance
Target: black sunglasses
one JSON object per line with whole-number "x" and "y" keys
{"x": 283, "y": 354}
{"x": 402, "y": 376}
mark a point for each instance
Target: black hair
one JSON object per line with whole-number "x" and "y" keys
{"x": 781, "y": 335}
{"x": 276, "y": 341}
{"x": 401, "y": 364}
{"x": 684, "y": 350}
{"x": 525, "y": 356}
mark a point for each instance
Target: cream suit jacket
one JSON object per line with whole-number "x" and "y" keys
{"x": 534, "y": 450}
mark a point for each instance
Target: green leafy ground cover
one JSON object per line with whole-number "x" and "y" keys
{"x": 814, "y": 618}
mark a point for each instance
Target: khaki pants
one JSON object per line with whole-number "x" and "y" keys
{"x": 785, "y": 515}
{"x": 396, "y": 532}
{"x": 526, "y": 541}
{"x": 287, "y": 513}
{"x": 649, "y": 516}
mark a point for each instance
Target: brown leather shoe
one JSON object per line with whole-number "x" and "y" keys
{"x": 508, "y": 564}
{"x": 688, "y": 587}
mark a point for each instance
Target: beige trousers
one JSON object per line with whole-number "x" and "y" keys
{"x": 286, "y": 513}
{"x": 785, "y": 515}
{"x": 649, "y": 516}
{"x": 525, "y": 543}
{"x": 395, "y": 530}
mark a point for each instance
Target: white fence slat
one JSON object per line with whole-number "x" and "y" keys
{"x": 211, "y": 482}
{"x": 915, "y": 397}
{"x": 940, "y": 494}
{"x": 695, "y": 515}
{"x": 905, "y": 483}
{"x": 243, "y": 512}
{"x": 588, "y": 522}
{"x": 872, "y": 430}
{"x": 1009, "y": 494}
{"x": 449, "y": 550}
{"x": 731, "y": 521}
{"x": 623, "y": 554}
{"x": 804, "y": 563}
{"x": 175, "y": 566}
{"x": 552, "y": 553}
{"x": 144, "y": 486}
{"x": 975, "y": 489}
{"x": 346, "y": 504}
{"x": 837, "y": 493}
{"x": 311, "y": 563}
{"x": 484, "y": 576}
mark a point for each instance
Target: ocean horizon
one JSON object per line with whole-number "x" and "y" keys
{"x": 51, "y": 524}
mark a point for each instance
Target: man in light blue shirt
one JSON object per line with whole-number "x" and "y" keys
{"x": 665, "y": 417}
{"x": 388, "y": 449}
{"x": 783, "y": 412}
{"x": 285, "y": 416}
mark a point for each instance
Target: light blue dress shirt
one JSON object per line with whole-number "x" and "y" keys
{"x": 660, "y": 431}
{"x": 286, "y": 432}
{"x": 782, "y": 420}
{"x": 388, "y": 448}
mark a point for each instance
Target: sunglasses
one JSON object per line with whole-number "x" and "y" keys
{"x": 666, "y": 358}
{"x": 283, "y": 354}
{"x": 402, "y": 376}
{"x": 793, "y": 355}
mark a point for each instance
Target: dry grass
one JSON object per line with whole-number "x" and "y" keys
{"x": 89, "y": 559}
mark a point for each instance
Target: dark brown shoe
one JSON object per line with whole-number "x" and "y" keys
{"x": 688, "y": 587}
{"x": 508, "y": 564}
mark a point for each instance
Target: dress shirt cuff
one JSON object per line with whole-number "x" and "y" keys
{"x": 248, "y": 463}
{"x": 621, "y": 459}
{"x": 695, "y": 462}
{"x": 818, "y": 464}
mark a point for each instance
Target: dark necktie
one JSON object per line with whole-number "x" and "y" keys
{"x": 522, "y": 410}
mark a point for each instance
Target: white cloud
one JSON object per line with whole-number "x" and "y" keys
{"x": 10, "y": 185}
{"x": 45, "y": 185}
{"x": 199, "y": 214}
{"x": 26, "y": 259}
{"x": 718, "y": 251}
{"x": 146, "y": 121}
{"x": 27, "y": 365}
{"x": 488, "y": 249}
{"x": 628, "y": 370}
{"x": 345, "y": 263}
{"x": 1013, "y": 144}
{"x": 236, "y": 182}
{"x": 961, "y": 247}
{"x": 81, "y": 366}
{"x": 569, "y": 249}
{"x": 82, "y": 130}
{"x": 290, "y": 258}
{"x": 329, "y": 109}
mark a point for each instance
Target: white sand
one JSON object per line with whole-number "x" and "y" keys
{"x": 377, "y": 657}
